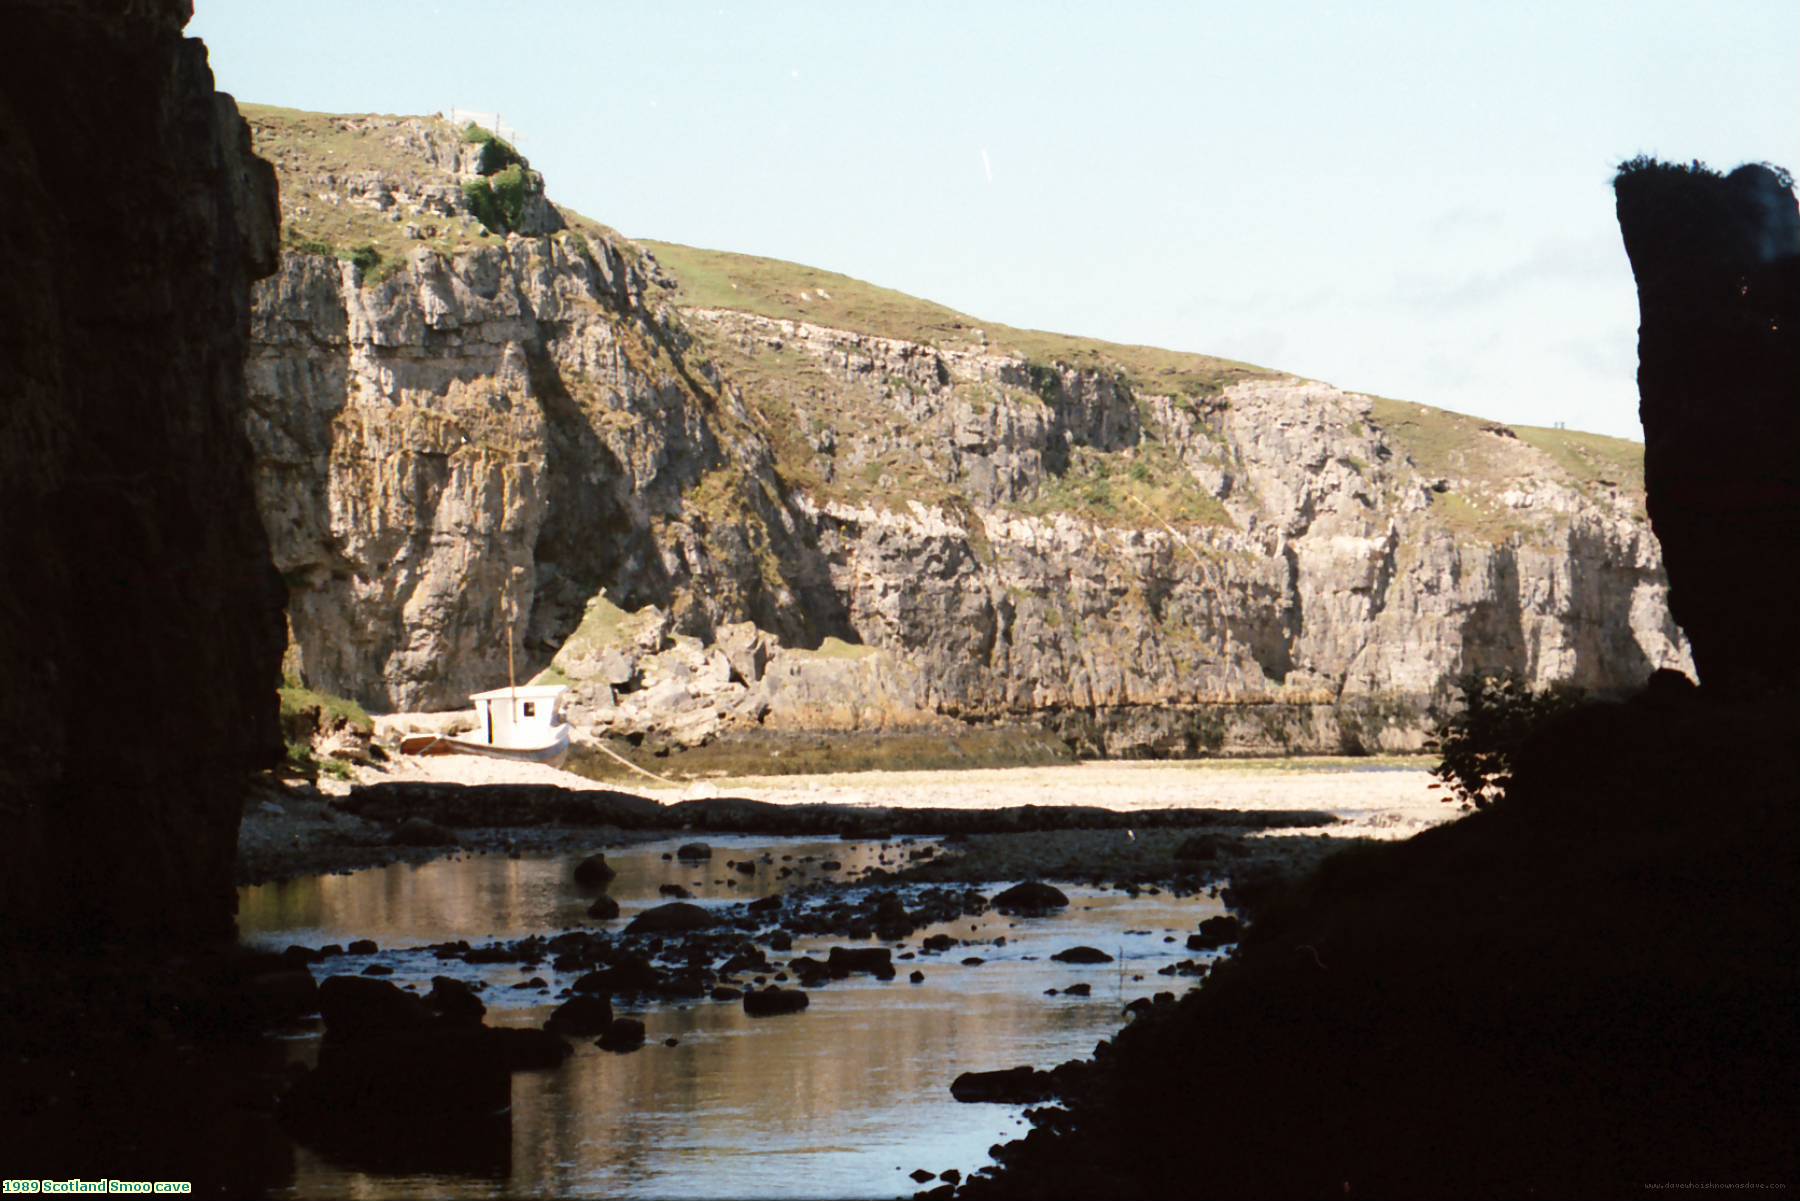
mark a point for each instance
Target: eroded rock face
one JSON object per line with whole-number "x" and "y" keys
{"x": 711, "y": 521}
{"x": 1717, "y": 260}
{"x": 140, "y": 619}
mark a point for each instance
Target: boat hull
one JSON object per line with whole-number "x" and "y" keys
{"x": 553, "y": 752}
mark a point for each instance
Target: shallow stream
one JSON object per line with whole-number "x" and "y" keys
{"x": 844, "y": 1099}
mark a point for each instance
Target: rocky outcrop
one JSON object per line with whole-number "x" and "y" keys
{"x": 1717, "y": 260}
{"x": 136, "y": 218}
{"x": 714, "y": 519}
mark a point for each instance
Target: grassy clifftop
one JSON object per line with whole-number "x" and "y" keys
{"x": 716, "y": 279}
{"x": 374, "y": 189}
{"x": 1452, "y": 445}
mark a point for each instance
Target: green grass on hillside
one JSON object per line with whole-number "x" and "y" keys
{"x": 1457, "y": 447}
{"x": 790, "y": 291}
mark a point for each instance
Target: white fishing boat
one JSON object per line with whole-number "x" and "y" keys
{"x": 523, "y": 724}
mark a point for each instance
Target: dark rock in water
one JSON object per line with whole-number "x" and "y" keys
{"x": 692, "y": 850}
{"x": 422, "y": 832}
{"x": 831, "y": 865}
{"x": 844, "y": 960}
{"x": 726, "y": 992}
{"x": 603, "y": 909}
{"x": 675, "y": 917}
{"x": 675, "y": 890}
{"x": 809, "y": 971}
{"x": 921, "y": 1175}
{"x": 1079, "y": 990}
{"x": 581, "y": 1015}
{"x": 624, "y": 1034}
{"x": 378, "y": 969}
{"x": 917, "y": 977}
{"x": 671, "y": 1041}
{"x": 527, "y": 1050}
{"x": 363, "y": 946}
{"x": 402, "y": 1084}
{"x": 950, "y": 1176}
{"x": 330, "y": 951}
{"x": 973, "y": 961}
{"x": 770, "y": 1001}
{"x": 1031, "y": 897}
{"x": 455, "y": 1002}
{"x": 766, "y": 904}
{"x": 1082, "y": 955}
{"x": 279, "y": 996}
{"x": 594, "y": 871}
{"x": 357, "y": 1007}
{"x": 626, "y": 974}
{"x": 781, "y": 940}
{"x": 1012, "y": 1086}
{"x": 938, "y": 942}
{"x": 300, "y": 956}
{"x": 1215, "y": 932}
{"x": 745, "y": 868}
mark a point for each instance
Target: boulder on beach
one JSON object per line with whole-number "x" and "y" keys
{"x": 360, "y": 1007}
{"x": 1200, "y": 848}
{"x": 627, "y": 973}
{"x": 693, "y": 850}
{"x": 421, "y": 832}
{"x": 525, "y": 1049}
{"x": 582, "y": 1014}
{"x": 1012, "y": 1086}
{"x": 674, "y": 918}
{"x": 421, "y": 1078}
{"x": 623, "y": 1034}
{"x": 1031, "y": 897}
{"x": 594, "y": 871}
{"x": 455, "y": 1002}
{"x": 603, "y": 909}
{"x": 844, "y": 960}
{"x": 1215, "y": 932}
{"x": 675, "y": 890}
{"x": 276, "y": 996}
{"x": 767, "y": 1002}
{"x": 1082, "y": 955}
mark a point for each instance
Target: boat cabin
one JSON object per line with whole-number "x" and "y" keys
{"x": 517, "y": 717}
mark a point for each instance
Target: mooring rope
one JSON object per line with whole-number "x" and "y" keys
{"x": 606, "y": 750}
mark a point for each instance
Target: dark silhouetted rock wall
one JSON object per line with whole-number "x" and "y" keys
{"x": 140, "y": 616}
{"x": 1717, "y": 260}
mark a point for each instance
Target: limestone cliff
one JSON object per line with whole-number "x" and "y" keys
{"x": 140, "y": 619}
{"x": 721, "y": 493}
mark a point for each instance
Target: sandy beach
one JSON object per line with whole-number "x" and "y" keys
{"x": 1388, "y": 798}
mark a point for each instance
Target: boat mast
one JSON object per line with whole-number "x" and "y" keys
{"x": 512, "y": 682}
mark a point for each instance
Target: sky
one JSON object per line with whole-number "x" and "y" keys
{"x": 1410, "y": 199}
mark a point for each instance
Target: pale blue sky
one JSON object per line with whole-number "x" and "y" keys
{"x": 1409, "y": 198}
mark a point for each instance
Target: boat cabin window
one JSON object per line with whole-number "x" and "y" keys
{"x": 530, "y": 708}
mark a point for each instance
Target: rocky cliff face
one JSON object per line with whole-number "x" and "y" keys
{"x": 719, "y": 493}
{"x": 132, "y": 564}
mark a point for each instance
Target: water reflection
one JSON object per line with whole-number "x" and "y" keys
{"x": 841, "y": 1100}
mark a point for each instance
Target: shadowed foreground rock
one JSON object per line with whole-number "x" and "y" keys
{"x": 135, "y": 219}
{"x": 1586, "y": 989}
{"x": 1717, "y": 260}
